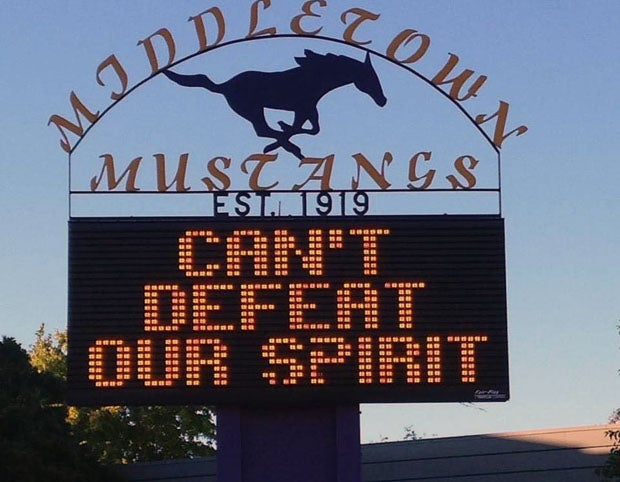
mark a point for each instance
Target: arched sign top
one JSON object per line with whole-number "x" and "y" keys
{"x": 229, "y": 43}
{"x": 371, "y": 159}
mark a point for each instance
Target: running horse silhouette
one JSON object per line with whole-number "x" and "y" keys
{"x": 298, "y": 90}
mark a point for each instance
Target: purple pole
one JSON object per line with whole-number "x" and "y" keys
{"x": 305, "y": 444}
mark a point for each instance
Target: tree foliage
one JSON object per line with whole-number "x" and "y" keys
{"x": 138, "y": 434}
{"x": 128, "y": 434}
{"x": 35, "y": 440}
{"x": 49, "y": 353}
{"x": 611, "y": 469}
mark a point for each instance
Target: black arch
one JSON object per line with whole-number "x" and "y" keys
{"x": 279, "y": 36}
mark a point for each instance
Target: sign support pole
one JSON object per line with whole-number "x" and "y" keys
{"x": 304, "y": 444}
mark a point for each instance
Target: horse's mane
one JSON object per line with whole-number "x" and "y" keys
{"x": 311, "y": 59}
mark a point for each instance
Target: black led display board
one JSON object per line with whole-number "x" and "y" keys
{"x": 287, "y": 311}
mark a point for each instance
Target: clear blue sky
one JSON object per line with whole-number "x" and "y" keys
{"x": 555, "y": 62}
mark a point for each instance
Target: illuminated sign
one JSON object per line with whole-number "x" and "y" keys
{"x": 287, "y": 310}
{"x": 312, "y": 263}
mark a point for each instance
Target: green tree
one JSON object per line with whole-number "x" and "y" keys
{"x": 128, "y": 434}
{"x": 611, "y": 469}
{"x": 49, "y": 353}
{"x": 138, "y": 434}
{"x": 35, "y": 440}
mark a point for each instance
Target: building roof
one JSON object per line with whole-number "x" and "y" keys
{"x": 562, "y": 455}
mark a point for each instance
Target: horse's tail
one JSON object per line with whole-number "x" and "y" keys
{"x": 197, "y": 80}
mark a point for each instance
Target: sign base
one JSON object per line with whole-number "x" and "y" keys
{"x": 305, "y": 444}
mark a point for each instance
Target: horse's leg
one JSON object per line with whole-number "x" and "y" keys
{"x": 262, "y": 129}
{"x": 311, "y": 115}
{"x": 287, "y": 145}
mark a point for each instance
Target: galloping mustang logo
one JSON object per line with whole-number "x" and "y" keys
{"x": 297, "y": 90}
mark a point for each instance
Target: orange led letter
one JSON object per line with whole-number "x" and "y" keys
{"x": 186, "y": 253}
{"x": 249, "y": 306}
{"x": 201, "y": 308}
{"x": 196, "y": 360}
{"x": 468, "y": 355}
{"x": 296, "y": 370}
{"x": 405, "y": 302}
{"x": 96, "y": 363}
{"x": 336, "y": 237}
{"x": 364, "y": 354}
{"x": 346, "y": 305}
{"x": 285, "y": 243}
{"x": 153, "y": 310}
{"x": 145, "y": 363}
{"x": 297, "y": 306}
{"x": 433, "y": 359}
{"x": 318, "y": 357}
{"x": 369, "y": 239}
{"x": 235, "y": 252}
{"x": 388, "y": 359}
